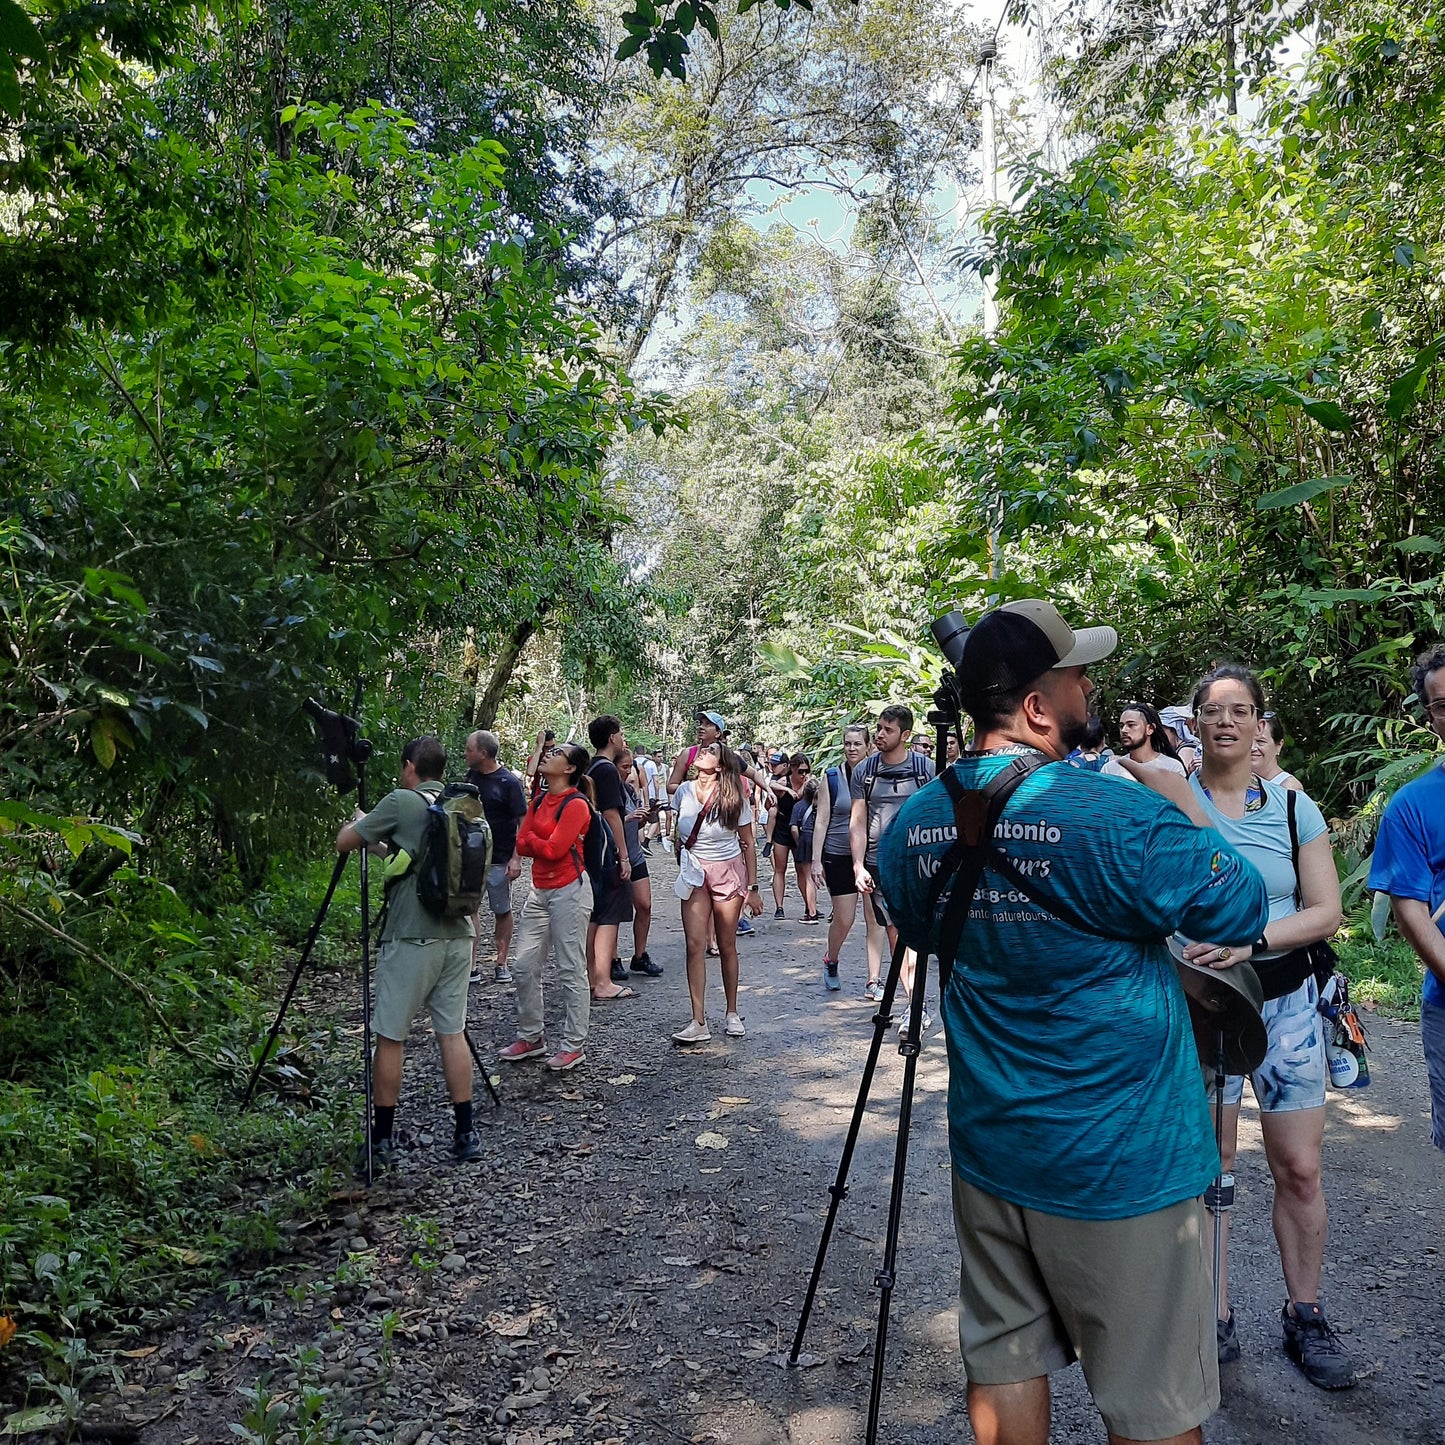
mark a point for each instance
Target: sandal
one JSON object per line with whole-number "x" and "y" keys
{"x": 712, "y": 951}
{"x": 626, "y": 991}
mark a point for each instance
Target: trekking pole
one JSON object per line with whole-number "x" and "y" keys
{"x": 301, "y": 963}
{"x": 482, "y": 1070}
{"x": 838, "y": 1190}
{"x": 887, "y": 1277}
{"x": 365, "y": 976}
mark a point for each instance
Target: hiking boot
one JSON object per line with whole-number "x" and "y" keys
{"x": 830, "y": 975}
{"x": 565, "y": 1059}
{"x": 1227, "y": 1340}
{"x": 1315, "y": 1347}
{"x": 619, "y": 974}
{"x": 873, "y": 990}
{"x": 520, "y": 1049}
{"x": 778, "y": 915}
{"x": 642, "y": 963}
{"x": 384, "y": 1158}
{"x": 692, "y": 1032}
{"x": 467, "y": 1147}
{"x": 745, "y": 928}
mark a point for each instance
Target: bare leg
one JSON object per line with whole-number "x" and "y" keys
{"x": 1010, "y": 1414}
{"x": 845, "y": 912}
{"x": 456, "y": 1067}
{"x": 641, "y": 914}
{"x": 726, "y": 915}
{"x": 601, "y": 950}
{"x": 875, "y": 936}
{"x": 1292, "y": 1145}
{"x": 803, "y": 872}
{"x": 780, "y": 873}
{"x": 505, "y": 923}
{"x": 386, "y": 1072}
{"x": 696, "y": 921}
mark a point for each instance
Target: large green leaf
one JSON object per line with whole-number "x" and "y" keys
{"x": 1300, "y": 492}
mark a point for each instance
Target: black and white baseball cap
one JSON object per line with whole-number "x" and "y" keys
{"x": 1014, "y": 644}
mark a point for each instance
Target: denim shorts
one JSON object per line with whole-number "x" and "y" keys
{"x": 1295, "y": 1070}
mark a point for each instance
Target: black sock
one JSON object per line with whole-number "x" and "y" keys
{"x": 464, "y": 1117}
{"x": 382, "y": 1117}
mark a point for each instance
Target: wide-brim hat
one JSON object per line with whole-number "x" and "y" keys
{"x": 1224, "y": 1004}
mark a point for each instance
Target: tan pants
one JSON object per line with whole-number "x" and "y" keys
{"x": 556, "y": 916}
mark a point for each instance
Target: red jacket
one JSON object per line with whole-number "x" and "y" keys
{"x": 551, "y": 836}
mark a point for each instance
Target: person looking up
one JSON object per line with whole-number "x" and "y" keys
{"x": 420, "y": 959}
{"x": 715, "y": 825}
{"x": 1264, "y": 754}
{"x": 711, "y": 728}
{"x": 1080, "y": 1153}
{"x": 505, "y": 805}
{"x": 802, "y": 825}
{"x": 879, "y": 787}
{"x": 635, "y": 815}
{"x": 786, "y": 786}
{"x": 556, "y": 913}
{"x": 612, "y": 896}
{"x": 833, "y": 865}
{"x": 1145, "y": 740}
{"x": 1409, "y": 865}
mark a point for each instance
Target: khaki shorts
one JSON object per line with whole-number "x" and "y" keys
{"x": 1130, "y": 1299}
{"x": 411, "y": 972}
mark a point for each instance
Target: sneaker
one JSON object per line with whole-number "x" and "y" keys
{"x": 642, "y": 963}
{"x": 812, "y": 918}
{"x": 619, "y": 974}
{"x": 503, "y": 974}
{"x": 926, "y": 1021}
{"x": 385, "y": 1159}
{"x": 778, "y": 915}
{"x": 692, "y": 1033}
{"x": 733, "y": 1027}
{"x": 565, "y": 1059}
{"x": 745, "y": 928}
{"x": 467, "y": 1148}
{"x": 873, "y": 989}
{"x": 520, "y": 1049}
{"x": 647, "y": 845}
{"x": 475, "y": 976}
{"x": 1227, "y": 1340}
{"x": 1315, "y": 1347}
{"x": 830, "y": 975}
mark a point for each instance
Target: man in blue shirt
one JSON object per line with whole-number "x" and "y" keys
{"x": 1409, "y": 865}
{"x": 1078, "y": 1128}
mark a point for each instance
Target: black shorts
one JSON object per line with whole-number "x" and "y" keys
{"x": 880, "y": 907}
{"x": 838, "y": 875}
{"x": 781, "y": 833}
{"x": 611, "y": 902}
{"x": 639, "y": 870}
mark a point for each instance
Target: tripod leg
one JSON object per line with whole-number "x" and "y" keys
{"x": 839, "y": 1188}
{"x": 366, "y": 1011}
{"x": 482, "y": 1070}
{"x": 885, "y": 1277}
{"x": 301, "y": 963}
{"x": 1219, "y": 1077}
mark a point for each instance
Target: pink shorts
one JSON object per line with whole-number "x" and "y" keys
{"x": 725, "y": 880}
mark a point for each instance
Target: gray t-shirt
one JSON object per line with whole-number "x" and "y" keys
{"x": 400, "y": 819}
{"x": 715, "y": 842}
{"x": 835, "y": 840}
{"x": 891, "y": 787}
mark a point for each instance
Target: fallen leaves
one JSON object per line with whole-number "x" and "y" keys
{"x": 516, "y": 1327}
{"x": 709, "y": 1140}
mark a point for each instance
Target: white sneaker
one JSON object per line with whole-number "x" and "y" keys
{"x": 692, "y": 1033}
{"x": 927, "y": 1022}
{"x": 733, "y": 1027}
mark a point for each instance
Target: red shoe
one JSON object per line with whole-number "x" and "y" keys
{"x": 565, "y": 1059}
{"x": 520, "y": 1049}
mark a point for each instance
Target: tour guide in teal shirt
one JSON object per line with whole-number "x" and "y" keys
{"x": 1078, "y": 1125}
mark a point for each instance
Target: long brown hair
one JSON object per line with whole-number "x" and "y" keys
{"x": 727, "y": 802}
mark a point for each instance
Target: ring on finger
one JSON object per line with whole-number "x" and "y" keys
{"x": 1224, "y": 955}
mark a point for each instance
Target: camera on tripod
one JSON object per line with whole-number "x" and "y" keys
{"x": 343, "y": 750}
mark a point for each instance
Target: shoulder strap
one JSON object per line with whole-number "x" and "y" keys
{"x": 920, "y": 767}
{"x": 557, "y": 818}
{"x": 1293, "y": 845}
{"x": 870, "y": 775}
{"x": 696, "y": 829}
{"x": 832, "y": 787}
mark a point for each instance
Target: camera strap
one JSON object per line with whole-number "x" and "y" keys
{"x": 976, "y": 812}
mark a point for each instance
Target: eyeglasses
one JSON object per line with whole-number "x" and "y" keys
{"x": 1216, "y": 712}
{"x": 1436, "y": 709}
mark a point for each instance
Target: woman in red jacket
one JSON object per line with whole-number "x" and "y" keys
{"x": 552, "y": 836}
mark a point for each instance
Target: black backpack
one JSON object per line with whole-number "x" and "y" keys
{"x": 456, "y": 851}
{"x": 599, "y": 848}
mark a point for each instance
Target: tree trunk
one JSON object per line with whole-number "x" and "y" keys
{"x": 471, "y": 680}
{"x": 508, "y": 656}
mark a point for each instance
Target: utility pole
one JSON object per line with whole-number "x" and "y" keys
{"x": 987, "y": 54}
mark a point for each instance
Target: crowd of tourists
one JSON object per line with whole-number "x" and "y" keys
{"x": 1190, "y": 826}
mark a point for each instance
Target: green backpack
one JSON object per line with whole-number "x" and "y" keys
{"x": 451, "y": 873}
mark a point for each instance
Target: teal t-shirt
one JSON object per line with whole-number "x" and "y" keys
{"x": 1074, "y": 1085}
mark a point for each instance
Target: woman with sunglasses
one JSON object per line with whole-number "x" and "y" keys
{"x": 1289, "y": 1086}
{"x": 715, "y": 825}
{"x": 556, "y": 913}
{"x": 787, "y": 785}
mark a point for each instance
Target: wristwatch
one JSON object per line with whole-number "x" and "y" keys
{"x": 1260, "y": 944}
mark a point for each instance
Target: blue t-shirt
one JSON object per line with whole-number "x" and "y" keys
{"x": 1074, "y": 1083}
{"x": 1409, "y": 859}
{"x": 1263, "y": 837}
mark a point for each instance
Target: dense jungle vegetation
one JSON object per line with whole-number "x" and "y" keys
{"x": 441, "y": 349}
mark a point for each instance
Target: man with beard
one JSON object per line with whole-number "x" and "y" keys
{"x": 1078, "y": 1129}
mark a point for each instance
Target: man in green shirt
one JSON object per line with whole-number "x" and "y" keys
{"x": 421, "y": 959}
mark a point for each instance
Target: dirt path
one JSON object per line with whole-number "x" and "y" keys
{"x": 604, "y": 1275}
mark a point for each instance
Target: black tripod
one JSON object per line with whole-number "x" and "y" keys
{"x": 944, "y": 719}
